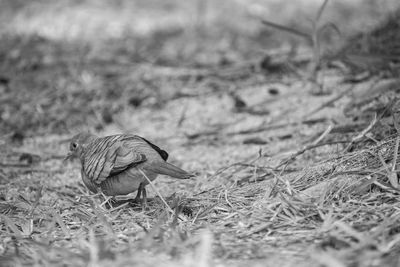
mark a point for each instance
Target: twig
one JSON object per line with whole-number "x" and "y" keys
{"x": 156, "y": 191}
{"x": 119, "y": 207}
{"x": 283, "y": 180}
{"x": 204, "y": 133}
{"x": 328, "y": 103}
{"x": 11, "y": 225}
{"x": 323, "y": 135}
{"x": 182, "y": 116}
{"x": 363, "y": 133}
{"x": 391, "y": 172}
{"x": 321, "y": 10}
{"x": 277, "y": 126}
{"x": 57, "y": 218}
{"x": 305, "y": 148}
{"x": 37, "y": 199}
{"x": 304, "y": 35}
{"x": 396, "y": 150}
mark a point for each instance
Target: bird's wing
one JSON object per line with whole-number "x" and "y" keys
{"x": 164, "y": 155}
{"x": 141, "y": 144}
{"x": 126, "y": 158}
{"x": 109, "y": 157}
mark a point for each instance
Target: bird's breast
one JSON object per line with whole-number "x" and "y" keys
{"x": 126, "y": 182}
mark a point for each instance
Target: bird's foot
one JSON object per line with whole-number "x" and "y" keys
{"x": 139, "y": 201}
{"x": 141, "y": 197}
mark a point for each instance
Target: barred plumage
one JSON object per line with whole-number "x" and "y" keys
{"x": 113, "y": 163}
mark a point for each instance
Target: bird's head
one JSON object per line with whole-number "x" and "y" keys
{"x": 78, "y": 144}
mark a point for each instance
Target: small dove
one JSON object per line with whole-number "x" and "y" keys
{"x": 116, "y": 164}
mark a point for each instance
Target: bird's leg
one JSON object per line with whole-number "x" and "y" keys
{"x": 144, "y": 198}
{"x": 139, "y": 193}
{"x": 137, "y": 199}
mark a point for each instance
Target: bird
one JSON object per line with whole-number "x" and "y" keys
{"x": 117, "y": 164}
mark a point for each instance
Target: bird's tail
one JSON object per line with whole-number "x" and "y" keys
{"x": 171, "y": 170}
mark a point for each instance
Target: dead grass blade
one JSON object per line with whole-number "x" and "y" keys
{"x": 321, "y": 10}
{"x": 328, "y": 103}
{"x": 12, "y": 226}
{"x": 314, "y": 41}
{"x": 305, "y": 148}
{"x": 306, "y": 36}
{"x": 361, "y": 135}
{"x": 36, "y": 201}
{"x": 57, "y": 218}
{"x": 391, "y": 172}
{"x": 157, "y": 192}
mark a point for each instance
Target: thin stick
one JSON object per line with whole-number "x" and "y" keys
{"x": 363, "y": 133}
{"x": 263, "y": 128}
{"x": 155, "y": 190}
{"x": 37, "y": 199}
{"x": 323, "y": 135}
{"x": 305, "y": 148}
{"x": 396, "y": 150}
{"x": 306, "y": 36}
{"x": 328, "y": 103}
{"x": 391, "y": 172}
{"x": 320, "y": 11}
{"x": 106, "y": 199}
{"x": 119, "y": 207}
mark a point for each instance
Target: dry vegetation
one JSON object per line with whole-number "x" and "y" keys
{"x": 286, "y": 177}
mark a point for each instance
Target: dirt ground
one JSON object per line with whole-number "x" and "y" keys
{"x": 284, "y": 175}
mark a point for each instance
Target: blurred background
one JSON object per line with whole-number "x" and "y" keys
{"x": 90, "y": 63}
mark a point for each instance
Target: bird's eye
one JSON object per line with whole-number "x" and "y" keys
{"x": 73, "y": 146}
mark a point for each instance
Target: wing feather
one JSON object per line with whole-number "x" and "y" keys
{"x": 109, "y": 156}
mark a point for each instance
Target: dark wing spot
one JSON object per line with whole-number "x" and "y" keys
{"x": 164, "y": 155}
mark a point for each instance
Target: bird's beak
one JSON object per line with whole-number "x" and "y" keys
{"x": 69, "y": 156}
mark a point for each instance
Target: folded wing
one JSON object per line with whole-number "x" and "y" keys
{"x": 113, "y": 158}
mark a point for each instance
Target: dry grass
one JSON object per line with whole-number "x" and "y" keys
{"x": 284, "y": 178}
